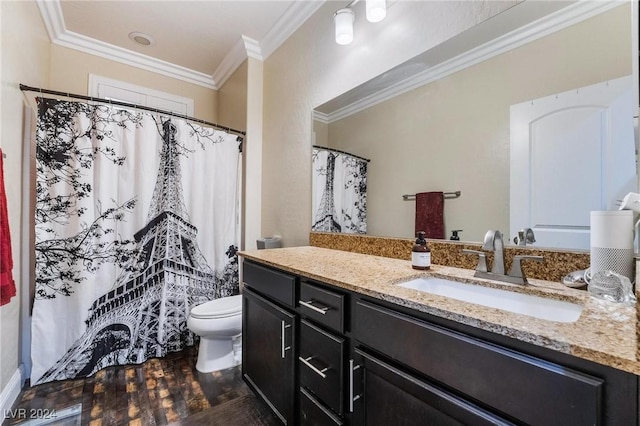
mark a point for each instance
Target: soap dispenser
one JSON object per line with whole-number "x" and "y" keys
{"x": 421, "y": 254}
{"x": 454, "y": 234}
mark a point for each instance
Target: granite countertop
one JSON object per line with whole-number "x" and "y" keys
{"x": 604, "y": 333}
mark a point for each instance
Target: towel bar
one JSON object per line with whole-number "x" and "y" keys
{"x": 455, "y": 194}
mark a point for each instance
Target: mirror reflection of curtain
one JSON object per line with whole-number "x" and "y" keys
{"x": 339, "y": 184}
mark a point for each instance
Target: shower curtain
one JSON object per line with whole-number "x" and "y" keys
{"x": 339, "y": 192}
{"x": 136, "y": 219}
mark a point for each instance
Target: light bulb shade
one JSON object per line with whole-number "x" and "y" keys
{"x": 376, "y": 10}
{"x": 343, "y": 20}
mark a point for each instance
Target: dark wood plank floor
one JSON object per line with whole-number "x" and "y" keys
{"x": 164, "y": 391}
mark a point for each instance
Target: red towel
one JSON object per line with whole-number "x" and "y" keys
{"x": 7, "y": 285}
{"x": 430, "y": 214}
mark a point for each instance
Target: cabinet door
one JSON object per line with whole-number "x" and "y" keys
{"x": 268, "y": 361}
{"x": 390, "y": 396}
{"x": 509, "y": 382}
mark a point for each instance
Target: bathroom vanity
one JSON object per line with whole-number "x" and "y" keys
{"x": 331, "y": 337}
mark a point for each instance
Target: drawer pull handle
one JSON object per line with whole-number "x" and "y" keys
{"x": 284, "y": 348}
{"x": 309, "y": 305}
{"x": 311, "y": 366}
{"x": 352, "y": 398}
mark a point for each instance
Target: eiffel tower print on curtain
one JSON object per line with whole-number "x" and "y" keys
{"x": 339, "y": 192}
{"x": 326, "y": 219}
{"x": 145, "y": 313}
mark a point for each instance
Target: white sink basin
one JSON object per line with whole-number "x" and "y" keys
{"x": 519, "y": 303}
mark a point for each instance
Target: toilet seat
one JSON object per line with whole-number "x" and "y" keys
{"x": 219, "y": 308}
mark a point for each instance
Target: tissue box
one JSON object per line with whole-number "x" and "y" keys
{"x": 268, "y": 243}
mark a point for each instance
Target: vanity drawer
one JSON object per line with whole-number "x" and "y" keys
{"x": 272, "y": 283}
{"x": 313, "y": 413}
{"x": 324, "y": 306}
{"x": 321, "y": 365}
{"x": 529, "y": 389}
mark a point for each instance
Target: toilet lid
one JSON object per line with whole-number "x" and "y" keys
{"x": 219, "y": 308}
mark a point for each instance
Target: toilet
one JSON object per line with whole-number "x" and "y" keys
{"x": 219, "y": 325}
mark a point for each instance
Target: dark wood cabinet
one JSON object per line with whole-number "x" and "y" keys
{"x": 323, "y": 352}
{"x": 478, "y": 373}
{"x": 321, "y": 355}
{"x": 509, "y": 382}
{"x": 268, "y": 354}
{"x": 322, "y": 306}
{"x": 322, "y": 366}
{"x": 392, "y": 396}
{"x": 313, "y": 412}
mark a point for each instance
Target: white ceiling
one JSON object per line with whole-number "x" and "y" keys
{"x": 200, "y": 41}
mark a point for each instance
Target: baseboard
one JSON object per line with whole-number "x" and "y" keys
{"x": 11, "y": 391}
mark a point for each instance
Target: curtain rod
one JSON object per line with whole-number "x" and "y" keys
{"x": 341, "y": 152}
{"x": 25, "y": 88}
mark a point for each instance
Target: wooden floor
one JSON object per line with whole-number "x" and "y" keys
{"x": 165, "y": 391}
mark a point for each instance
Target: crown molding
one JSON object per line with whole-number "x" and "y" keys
{"x": 287, "y": 24}
{"x": 243, "y": 49}
{"x": 252, "y": 48}
{"x": 108, "y": 51}
{"x": 52, "y": 16}
{"x": 554, "y": 22}
{"x": 321, "y": 117}
{"x": 295, "y": 15}
{"x": 58, "y": 34}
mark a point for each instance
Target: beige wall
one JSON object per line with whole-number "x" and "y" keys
{"x": 70, "y": 71}
{"x": 252, "y": 177}
{"x": 232, "y": 100}
{"x": 25, "y": 59}
{"x": 233, "y": 106}
{"x": 310, "y": 69}
{"x": 453, "y": 134}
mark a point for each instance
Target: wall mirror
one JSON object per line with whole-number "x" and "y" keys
{"x": 441, "y": 121}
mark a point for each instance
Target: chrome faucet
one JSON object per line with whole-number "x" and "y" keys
{"x": 525, "y": 236}
{"x": 493, "y": 242}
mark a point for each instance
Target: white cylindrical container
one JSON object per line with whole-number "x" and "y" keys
{"x": 612, "y": 242}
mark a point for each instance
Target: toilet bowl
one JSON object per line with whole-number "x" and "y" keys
{"x": 219, "y": 325}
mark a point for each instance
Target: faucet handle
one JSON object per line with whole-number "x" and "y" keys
{"x": 516, "y": 268}
{"x": 482, "y": 259}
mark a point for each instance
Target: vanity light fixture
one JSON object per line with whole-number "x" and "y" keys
{"x": 376, "y": 10}
{"x": 343, "y": 18}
